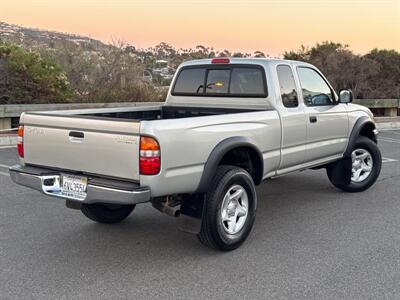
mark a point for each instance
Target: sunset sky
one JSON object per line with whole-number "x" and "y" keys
{"x": 272, "y": 26}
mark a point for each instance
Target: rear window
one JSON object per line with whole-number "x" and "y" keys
{"x": 224, "y": 80}
{"x": 190, "y": 81}
{"x": 218, "y": 81}
{"x": 247, "y": 81}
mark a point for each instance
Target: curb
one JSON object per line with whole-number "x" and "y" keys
{"x": 388, "y": 125}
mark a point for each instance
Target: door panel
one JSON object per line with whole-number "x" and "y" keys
{"x": 327, "y": 135}
{"x": 327, "y": 121}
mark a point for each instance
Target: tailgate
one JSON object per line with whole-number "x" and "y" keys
{"x": 89, "y": 145}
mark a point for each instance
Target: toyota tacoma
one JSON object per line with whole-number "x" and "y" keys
{"x": 227, "y": 125}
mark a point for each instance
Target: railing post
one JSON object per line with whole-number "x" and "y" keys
{"x": 390, "y": 112}
{"x": 5, "y": 123}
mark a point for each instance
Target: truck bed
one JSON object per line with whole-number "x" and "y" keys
{"x": 97, "y": 141}
{"x": 148, "y": 113}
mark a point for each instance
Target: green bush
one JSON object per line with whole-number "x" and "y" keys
{"x": 27, "y": 77}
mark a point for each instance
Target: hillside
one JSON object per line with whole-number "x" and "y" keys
{"x": 31, "y": 37}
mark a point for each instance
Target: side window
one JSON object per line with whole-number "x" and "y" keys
{"x": 315, "y": 90}
{"x": 287, "y": 85}
{"x": 190, "y": 81}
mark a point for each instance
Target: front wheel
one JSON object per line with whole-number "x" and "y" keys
{"x": 230, "y": 209}
{"x": 366, "y": 162}
{"x": 106, "y": 213}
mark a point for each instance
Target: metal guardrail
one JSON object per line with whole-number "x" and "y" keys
{"x": 6, "y": 130}
{"x": 378, "y": 103}
{"x": 15, "y": 110}
{"x": 386, "y": 107}
{"x": 9, "y": 113}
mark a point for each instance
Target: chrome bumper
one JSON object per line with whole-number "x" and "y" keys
{"x": 98, "y": 190}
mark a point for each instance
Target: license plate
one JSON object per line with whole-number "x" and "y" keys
{"x": 74, "y": 187}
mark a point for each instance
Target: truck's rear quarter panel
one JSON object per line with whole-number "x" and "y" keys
{"x": 187, "y": 143}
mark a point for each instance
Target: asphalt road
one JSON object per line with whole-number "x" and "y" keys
{"x": 310, "y": 241}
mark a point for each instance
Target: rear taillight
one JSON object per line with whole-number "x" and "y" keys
{"x": 20, "y": 144}
{"x": 150, "y": 156}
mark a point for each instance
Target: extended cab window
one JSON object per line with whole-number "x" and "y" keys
{"x": 287, "y": 86}
{"x": 226, "y": 80}
{"x": 315, "y": 89}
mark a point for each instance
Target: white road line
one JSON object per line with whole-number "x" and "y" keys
{"x": 387, "y": 159}
{"x": 396, "y": 133}
{"x": 4, "y": 174}
{"x": 389, "y": 129}
{"x": 7, "y": 147}
{"x": 389, "y": 140}
{"x": 4, "y": 166}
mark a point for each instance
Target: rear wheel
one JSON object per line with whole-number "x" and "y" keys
{"x": 106, "y": 213}
{"x": 230, "y": 209}
{"x": 366, "y": 162}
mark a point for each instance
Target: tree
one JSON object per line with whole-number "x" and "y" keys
{"x": 342, "y": 68}
{"x": 164, "y": 50}
{"x": 225, "y": 53}
{"x": 90, "y": 71}
{"x": 238, "y": 54}
{"x": 110, "y": 74}
{"x": 259, "y": 54}
{"x": 386, "y": 82}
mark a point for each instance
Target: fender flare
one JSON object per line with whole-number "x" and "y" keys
{"x": 218, "y": 153}
{"x": 355, "y": 133}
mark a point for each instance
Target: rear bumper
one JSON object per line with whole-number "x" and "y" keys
{"x": 99, "y": 190}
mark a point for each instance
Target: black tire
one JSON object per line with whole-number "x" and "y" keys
{"x": 106, "y": 213}
{"x": 213, "y": 233}
{"x": 372, "y": 148}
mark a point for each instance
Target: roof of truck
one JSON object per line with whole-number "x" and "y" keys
{"x": 240, "y": 60}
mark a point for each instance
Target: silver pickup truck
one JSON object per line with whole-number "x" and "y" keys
{"x": 227, "y": 125}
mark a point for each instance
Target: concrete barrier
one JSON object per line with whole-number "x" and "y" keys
{"x": 8, "y": 140}
{"x": 390, "y": 106}
{"x": 387, "y": 123}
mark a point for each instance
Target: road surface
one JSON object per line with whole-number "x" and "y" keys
{"x": 309, "y": 241}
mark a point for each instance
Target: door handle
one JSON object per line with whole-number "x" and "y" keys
{"x": 313, "y": 119}
{"x": 77, "y": 134}
{"x": 76, "y": 137}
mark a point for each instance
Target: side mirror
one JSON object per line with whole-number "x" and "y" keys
{"x": 345, "y": 96}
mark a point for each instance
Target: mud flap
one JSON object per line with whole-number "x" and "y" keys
{"x": 340, "y": 171}
{"x": 192, "y": 214}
